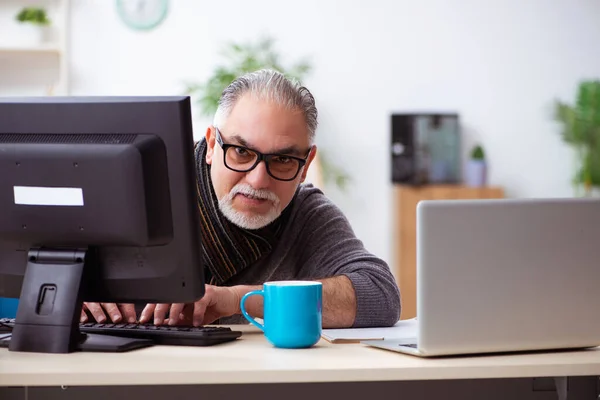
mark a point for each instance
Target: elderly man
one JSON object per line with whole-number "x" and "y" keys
{"x": 260, "y": 222}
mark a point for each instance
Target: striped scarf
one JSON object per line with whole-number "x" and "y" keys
{"x": 226, "y": 248}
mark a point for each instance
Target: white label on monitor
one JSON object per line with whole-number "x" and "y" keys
{"x": 48, "y": 196}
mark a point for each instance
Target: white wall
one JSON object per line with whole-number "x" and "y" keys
{"x": 498, "y": 63}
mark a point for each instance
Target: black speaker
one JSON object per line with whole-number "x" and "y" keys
{"x": 425, "y": 148}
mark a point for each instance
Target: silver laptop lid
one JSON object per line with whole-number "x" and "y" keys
{"x": 508, "y": 274}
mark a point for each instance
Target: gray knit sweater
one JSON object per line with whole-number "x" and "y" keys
{"x": 318, "y": 242}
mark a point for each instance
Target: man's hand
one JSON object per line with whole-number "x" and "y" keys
{"x": 218, "y": 301}
{"x": 113, "y": 312}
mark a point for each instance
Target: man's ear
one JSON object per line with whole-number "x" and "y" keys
{"x": 309, "y": 160}
{"x": 210, "y": 143}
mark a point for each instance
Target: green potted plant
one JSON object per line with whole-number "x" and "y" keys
{"x": 34, "y": 24}
{"x": 247, "y": 57}
{"x": 476, "y": 170}
{"x": 33, "y": 15}
{"x": 580, "y": 128}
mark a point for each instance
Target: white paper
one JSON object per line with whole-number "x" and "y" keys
{"x": 48, "y": 196}
{"x": 403, "y": 329}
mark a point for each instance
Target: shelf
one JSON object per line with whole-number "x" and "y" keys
{"x": 31, "y": 60}
{"x": 29, "y": 50}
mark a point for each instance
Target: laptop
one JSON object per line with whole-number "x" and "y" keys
{"x": 505, "y": 275}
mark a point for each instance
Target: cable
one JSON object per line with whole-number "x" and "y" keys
{"x": 4, "y": 325}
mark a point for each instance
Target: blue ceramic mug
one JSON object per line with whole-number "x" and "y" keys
{"x": 292, "y": 312}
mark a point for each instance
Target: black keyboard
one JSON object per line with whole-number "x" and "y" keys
{"x": 160, "y": 335}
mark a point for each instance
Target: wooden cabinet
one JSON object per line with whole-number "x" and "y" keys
{"x": 405, "y": 236}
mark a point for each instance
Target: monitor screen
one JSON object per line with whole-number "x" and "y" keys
{"x": 99, "y": 203}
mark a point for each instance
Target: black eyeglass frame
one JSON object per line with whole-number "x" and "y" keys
{"x": 260, "y": 157}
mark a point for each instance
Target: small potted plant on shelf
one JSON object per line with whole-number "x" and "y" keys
{"x": 34, "y": 23}
{"x": 476, "y": 171}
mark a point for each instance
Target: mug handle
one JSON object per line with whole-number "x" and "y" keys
{"x": 243, "y": 308}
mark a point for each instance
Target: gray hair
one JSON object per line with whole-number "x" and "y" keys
{"x": 267, "y": 84}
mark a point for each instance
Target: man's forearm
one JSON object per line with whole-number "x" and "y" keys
{"x": 339, "y": 302}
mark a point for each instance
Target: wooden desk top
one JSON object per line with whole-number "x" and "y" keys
{"x": 251, "y": 359}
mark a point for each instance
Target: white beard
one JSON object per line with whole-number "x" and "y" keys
{"x": 254, "y": 221}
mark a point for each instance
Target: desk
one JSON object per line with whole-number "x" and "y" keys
{"x": 252, "y": 360}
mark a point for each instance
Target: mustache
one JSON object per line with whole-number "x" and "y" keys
{"x": 250, "y": 191}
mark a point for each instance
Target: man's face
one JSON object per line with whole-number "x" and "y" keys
{"x": 254, "y": 199}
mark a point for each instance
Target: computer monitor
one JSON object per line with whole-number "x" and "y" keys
{"x": 98, "y": 203}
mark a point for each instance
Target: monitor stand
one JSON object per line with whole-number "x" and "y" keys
{"x": 50, "y": 305}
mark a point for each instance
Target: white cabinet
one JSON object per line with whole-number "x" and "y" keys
{"x": 34, "y": 61}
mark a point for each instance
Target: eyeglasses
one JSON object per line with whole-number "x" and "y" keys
{"x": 242, "y": 159}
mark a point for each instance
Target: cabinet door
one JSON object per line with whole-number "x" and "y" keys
{"x": 405, "y": 203}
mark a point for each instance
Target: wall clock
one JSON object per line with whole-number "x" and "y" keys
{"x": 142, "y": 14}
